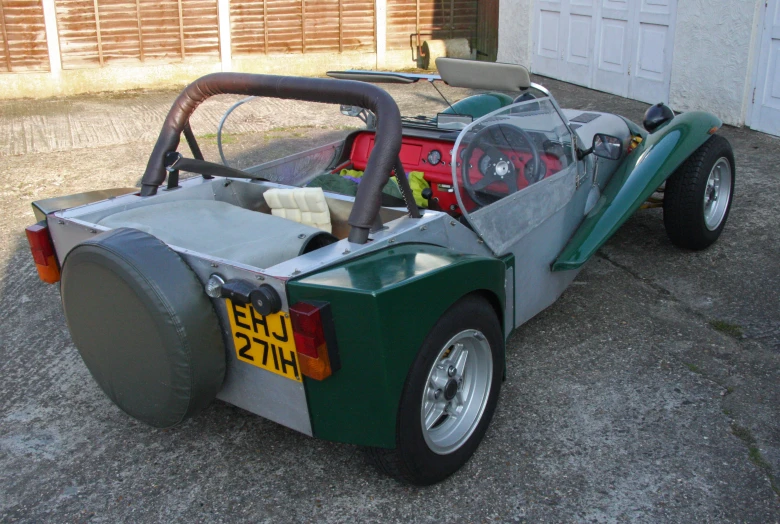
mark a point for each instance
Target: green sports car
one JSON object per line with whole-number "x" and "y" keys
{"x": 363, "y": 291}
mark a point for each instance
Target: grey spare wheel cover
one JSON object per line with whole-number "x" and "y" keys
{"x": 143, "y": 325}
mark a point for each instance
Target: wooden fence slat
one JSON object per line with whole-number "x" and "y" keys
{"x": 6, "y": 43}
{"x": 265, "y": 25}
{"x": 140, "y": 31}
{"x": 181, "y": 29}
{"x": 97, "y": 32}
{"x": 303, "y": 26}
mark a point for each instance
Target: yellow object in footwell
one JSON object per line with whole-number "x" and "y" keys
{"x": 418, "y": 183}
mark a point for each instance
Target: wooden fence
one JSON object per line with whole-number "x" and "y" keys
{"x": 295, "y": 26}
{"x": 96, "y": 33}
{"x": 24, "y": 36}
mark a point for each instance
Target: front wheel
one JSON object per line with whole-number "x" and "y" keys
{"x": 697, "y": 197}
{"x": 449, "y": 396}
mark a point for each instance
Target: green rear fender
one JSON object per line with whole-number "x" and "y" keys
{"x": 640, "y": 174}
{"x": 384, "y": 305}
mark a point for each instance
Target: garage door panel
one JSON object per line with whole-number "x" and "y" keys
{"x": 580, "y": 3}
{"x": 651, "y": 51}
{"x": 579, "y": 39}
{"x": 579, "y": 49}
{"x": 771, "y": 96}
{"x": 611, "y": 71}
{"x": 549, "y": 31}
{"x": 650, "y": 81}
{"x": 612, "y": 56}
{"x": 662, "y": 7}
{"x": 547, "y": 56}
{"x": 616, "y": 5}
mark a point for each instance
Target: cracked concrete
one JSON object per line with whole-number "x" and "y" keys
{"x": 621, "y": 401}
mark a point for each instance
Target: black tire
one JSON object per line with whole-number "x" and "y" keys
{"x": 412, "y": 460}
{"x": 684, "y": 216}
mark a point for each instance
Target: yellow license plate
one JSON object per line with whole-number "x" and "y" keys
{"x": 264, "y": 341}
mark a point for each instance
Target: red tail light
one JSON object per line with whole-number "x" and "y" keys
{"x": 43, "y": 253}
{"x": 315, "y": 339}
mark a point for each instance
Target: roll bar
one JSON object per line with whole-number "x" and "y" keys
{"x": 380, "y": 164}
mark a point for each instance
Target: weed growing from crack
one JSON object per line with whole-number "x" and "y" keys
{"x": 754, "y": 454}
{"x": 743, "y": 434}
{"x": 727, "y": 328}
{"x": 212, "y": 138}
{"x": 693, "y": 367}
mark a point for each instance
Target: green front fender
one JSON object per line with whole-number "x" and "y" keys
{"x": 384, "y": 305}
{"x": 638, "y": 177}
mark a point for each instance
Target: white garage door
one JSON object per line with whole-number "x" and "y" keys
{"x": 618, "y": 46}
{"x": 765, "y": 115}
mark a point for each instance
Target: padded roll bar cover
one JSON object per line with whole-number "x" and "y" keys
{"x": 143, "y": 325}
{"x": 347, "y": 92}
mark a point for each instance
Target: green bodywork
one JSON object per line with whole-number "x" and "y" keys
{"x": 384, "y": 305}
{"x": 638, "y": 177}
{"x": 479, "y": 105}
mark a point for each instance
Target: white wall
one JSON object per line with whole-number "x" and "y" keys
{"x": 713, "y": 57}
{"x": 514, "y": 31}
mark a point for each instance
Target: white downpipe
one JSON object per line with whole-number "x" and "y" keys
{"x": 223, "y": 13}
{"x": 52, "y": 38}
{"x": 380, "y": 11}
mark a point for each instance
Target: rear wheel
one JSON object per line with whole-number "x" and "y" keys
{"x": 449, "y": 396}
{"x": 697, "y": 198}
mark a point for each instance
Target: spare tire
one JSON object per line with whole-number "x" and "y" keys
{"x": 143, "y": 325}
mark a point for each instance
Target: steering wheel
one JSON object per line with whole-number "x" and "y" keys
{"x": 500, "y": 167}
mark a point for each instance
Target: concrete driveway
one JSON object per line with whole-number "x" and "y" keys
{"x": 649, "y": 392}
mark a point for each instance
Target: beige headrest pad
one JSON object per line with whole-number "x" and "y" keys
{"x": 305, "y": 205}
{"x": 483, "y": 75}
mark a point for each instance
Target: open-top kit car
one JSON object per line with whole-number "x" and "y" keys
{"x": 375, "y": 311}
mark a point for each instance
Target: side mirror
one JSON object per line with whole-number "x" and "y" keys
{"x": 365, "y": 115}
{"x": 606, "y": 146}
{"x": 350, "y": 110}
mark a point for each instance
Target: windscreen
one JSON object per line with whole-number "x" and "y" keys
{"x": 522, "y": 149}
{"x": 509, "y": 150}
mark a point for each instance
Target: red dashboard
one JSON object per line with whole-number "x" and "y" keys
{"x": 420, "y": 154}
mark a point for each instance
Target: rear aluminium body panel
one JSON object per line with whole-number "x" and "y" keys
{"x": 41, "y": 208}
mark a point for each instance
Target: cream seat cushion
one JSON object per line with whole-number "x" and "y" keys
{"x": 306, "y": 205}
